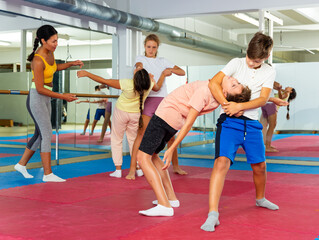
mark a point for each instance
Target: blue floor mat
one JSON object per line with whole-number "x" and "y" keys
{"x": 15, "y": 179}
{"x": 4, "y": 161}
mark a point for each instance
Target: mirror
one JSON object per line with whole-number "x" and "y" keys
{"x": 16, "y": 125}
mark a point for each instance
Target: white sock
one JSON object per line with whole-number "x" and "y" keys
{"x": 174, "y": 203}
{"x": 23, "y": 170}
{"x": 159, "y": 210}
{"x": 139, "y": 172}
{"x": 266, "y": 204}
{"x": 117, "y": 174}
{"x": 52, "y": 178}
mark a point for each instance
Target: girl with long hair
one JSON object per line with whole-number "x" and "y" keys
{"x": 155, "y": 65}
{"x": 269, "y": 111}
{"x": 127, "y": 115}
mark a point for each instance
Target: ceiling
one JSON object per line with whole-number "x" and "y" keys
{"x": 297, "y": 36}
{"x": 297, "y": 23}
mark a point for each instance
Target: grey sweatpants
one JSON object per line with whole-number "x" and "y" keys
{"x": 39, "y": 107}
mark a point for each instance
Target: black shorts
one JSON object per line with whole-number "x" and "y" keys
{"x": 156, "y": 135}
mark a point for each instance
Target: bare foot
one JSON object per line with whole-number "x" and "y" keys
{"x": 272, "y": 150}
{"x": 130, "y": 176}
{"x": 99, "y": 141}
{"x": 179, "y": 171}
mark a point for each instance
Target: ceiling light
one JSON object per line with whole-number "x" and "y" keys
{"x": 74, "y": 42}
{"x": 246, "y": 18}
{"x": 310, "y": 13}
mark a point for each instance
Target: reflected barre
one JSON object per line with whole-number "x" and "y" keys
{"x": 19, "y": 92}
{"x": 16, "y": 92}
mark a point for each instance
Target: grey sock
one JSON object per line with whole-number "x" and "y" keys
{"x": 266, "y": 204}
{"x": 211, "y": 222}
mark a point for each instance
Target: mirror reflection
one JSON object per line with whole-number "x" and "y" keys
{"x": 68, "y": 118}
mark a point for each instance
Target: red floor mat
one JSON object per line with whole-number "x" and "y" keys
{"x": 101, "y": 207}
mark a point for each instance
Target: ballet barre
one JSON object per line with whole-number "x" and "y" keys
{"x": 20, "y": 92}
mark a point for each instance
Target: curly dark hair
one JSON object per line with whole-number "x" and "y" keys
{"x": 244, "y": 96}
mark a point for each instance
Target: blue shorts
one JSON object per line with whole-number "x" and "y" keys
{"x": 233, "y": 132}
{"x": 88, "y": 115}
{"x": 98, "y": 113}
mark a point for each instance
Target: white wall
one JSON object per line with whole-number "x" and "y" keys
{"x": 187, "y": 57}
{"x": 304, "y": 112}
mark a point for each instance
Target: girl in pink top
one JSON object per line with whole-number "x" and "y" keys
{"x": 178, "y": 110}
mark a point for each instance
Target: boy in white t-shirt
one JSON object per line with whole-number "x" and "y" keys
{"x": 238, "y": 123}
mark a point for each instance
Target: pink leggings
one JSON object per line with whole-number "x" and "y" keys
{"x": 122, "y": 122}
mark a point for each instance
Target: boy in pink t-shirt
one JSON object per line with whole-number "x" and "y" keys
{"x": 178, "y": 110}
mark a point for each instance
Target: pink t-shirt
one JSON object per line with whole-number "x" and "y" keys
{"x": 175, "y": 107}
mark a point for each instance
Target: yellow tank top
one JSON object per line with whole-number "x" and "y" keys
{"x": 49, "y": 70}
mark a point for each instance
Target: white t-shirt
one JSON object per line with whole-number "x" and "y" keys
{"x": 156, "y": 66}
{"x": 255, "y": 79}
{"x": 101, "y": 105}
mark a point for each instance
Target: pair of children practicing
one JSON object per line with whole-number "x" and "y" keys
{"x": 237, "y": 126}
{"x": 177, "y": 111}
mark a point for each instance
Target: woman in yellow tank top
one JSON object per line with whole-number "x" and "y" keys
{"x": 43, "y": 67}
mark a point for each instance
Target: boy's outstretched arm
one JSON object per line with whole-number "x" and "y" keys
{"x": 191, "y": 117}
{"x": 215, "y": 87}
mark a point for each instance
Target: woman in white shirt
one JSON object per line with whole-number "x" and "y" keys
{"x": 156, "y": 66}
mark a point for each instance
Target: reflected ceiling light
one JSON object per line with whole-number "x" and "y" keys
{"x": 246, "y": 18}
{"x": 74, "y": 42}
{"x": 310, "y": 13}
{"x": 4, "y": 43}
